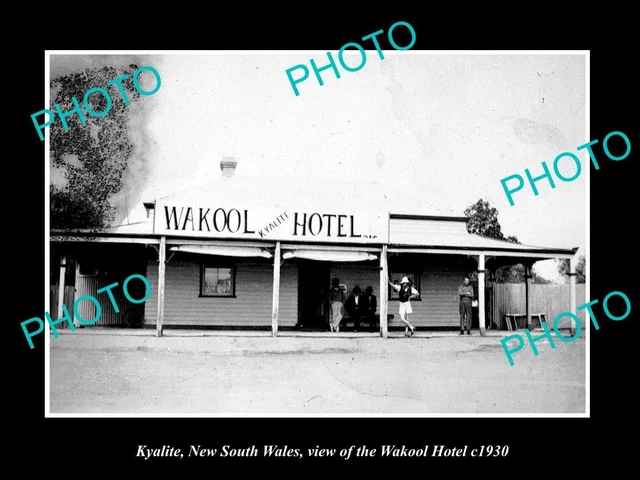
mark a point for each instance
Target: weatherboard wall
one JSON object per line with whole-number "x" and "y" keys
{"x": 251, "y": 306}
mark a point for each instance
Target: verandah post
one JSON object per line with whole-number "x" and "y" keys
{"x": 276, "y": 290}
{"x": 481, "y": 290}
{"x": 572, "y": 282}
{"x": 162, "y": 253}
{"x": 384, "y": 288}
{"x": 527, "y": 288}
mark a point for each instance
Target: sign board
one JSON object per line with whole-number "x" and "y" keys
{"x": 270, "y": 224}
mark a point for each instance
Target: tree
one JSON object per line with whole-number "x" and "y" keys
{"x": 515, "y": 274}
{"x": 88, "y": 159}
{"x": 483, "y": 220}
{"x": 563, "y": 269}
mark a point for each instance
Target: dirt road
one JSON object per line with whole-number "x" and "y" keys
{"x": 245, "y": 374}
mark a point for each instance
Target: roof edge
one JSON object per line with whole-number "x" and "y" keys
{"x": 427, "y": 217}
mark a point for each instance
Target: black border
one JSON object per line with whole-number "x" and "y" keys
{"x": 83, "y": 446}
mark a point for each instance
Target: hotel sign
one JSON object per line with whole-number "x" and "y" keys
{"x": 263, "y": 223}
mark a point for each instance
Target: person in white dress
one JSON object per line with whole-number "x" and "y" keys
{"x": 405, "y": 293}
{"x": 336, "y": 302}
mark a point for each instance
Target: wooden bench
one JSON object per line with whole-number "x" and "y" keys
{"x": 511, "y": 320}
{"x": 347, "y": 319}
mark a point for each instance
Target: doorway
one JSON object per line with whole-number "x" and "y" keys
{"x": 313, "y": 287}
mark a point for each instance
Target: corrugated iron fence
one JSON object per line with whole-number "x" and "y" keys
{"x": 69, "y": 298}
{"x": 130, "y": 315}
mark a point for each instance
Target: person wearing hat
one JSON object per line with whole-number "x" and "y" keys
{"x": 356, "y": 306}
{"x": 372, "y": 306}
{"x": 405, "y": 293}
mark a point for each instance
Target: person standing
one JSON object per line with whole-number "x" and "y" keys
{"x": 336, "y": 301}
{"x": 372, "y": 306}
{"x": 465, "y": 292}
{"x": 405, "y": 293}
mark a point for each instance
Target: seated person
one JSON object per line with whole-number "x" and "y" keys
{"x": 356, "y": 306}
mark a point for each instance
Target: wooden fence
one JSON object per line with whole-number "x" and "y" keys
{"x": 549, "y": 299}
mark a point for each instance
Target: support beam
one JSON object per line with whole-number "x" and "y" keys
{"x": 162, "y": 253}
{"x": 572, "y": 282}
{"x": 492, "y": 298}
{"x": 276, "y": 290}
{"x": 384, "y": 296}
{"x": 527, "y": 287}
{"x": 481, "y": 290}
{"x": 63, "y": 271}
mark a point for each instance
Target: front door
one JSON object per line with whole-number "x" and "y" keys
{"x": 313, "y": 288}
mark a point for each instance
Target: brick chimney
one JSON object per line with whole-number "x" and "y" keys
{"x": 228, "y": 166}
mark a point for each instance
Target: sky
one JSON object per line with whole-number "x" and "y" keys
{"x": 439, "y": 129}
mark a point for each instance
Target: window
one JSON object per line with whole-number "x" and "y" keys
{"x": 217, "y": 281}
{"x": 395, "y": 278}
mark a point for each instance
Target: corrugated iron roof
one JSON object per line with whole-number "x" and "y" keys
{"x": 472, "y": 241}
{"x": 335, "y": 195}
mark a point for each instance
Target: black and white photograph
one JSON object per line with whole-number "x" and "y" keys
{"x": 286, "y": 234}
